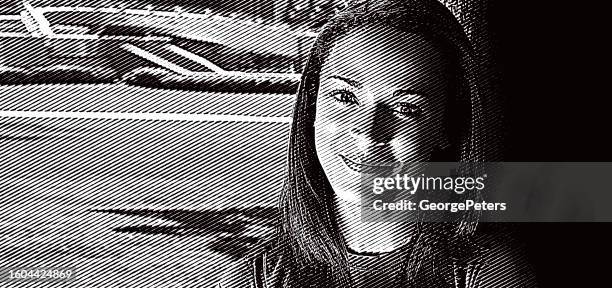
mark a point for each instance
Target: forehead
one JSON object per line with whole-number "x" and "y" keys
{"x": 383, "y": 56}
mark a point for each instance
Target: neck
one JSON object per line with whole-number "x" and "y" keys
{"x": 371, "y": 237}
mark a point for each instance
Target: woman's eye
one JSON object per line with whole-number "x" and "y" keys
{"x": 345, "y": 97}
{"x": 407, "y": 109}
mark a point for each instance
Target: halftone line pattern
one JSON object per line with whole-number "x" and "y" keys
{"x": 183, "y": 144}
{"x": 133, "y": 99}
{"x": 68, "y": 172}
{"x": 145, "y": 116}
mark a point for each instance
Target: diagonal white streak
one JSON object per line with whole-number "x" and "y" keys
{"x": 155, "y": 59}
{"x": 196, "y": 58}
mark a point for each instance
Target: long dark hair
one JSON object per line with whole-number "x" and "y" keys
{"x": 312, "y": 251}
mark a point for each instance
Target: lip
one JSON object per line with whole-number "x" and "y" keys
{"x": 366, "y": 168}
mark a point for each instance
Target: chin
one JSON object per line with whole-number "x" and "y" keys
{"x": 348, "y": 197}
{"x": 347, "y": 194}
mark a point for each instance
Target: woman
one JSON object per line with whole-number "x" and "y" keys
{"x": 387, "y": 83}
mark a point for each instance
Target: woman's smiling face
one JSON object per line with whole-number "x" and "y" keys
{"x": 381, "y": 102}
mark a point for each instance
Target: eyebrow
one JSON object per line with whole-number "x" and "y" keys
{"x": 399, "y": 92}
{"x": 411, "y": 92}
{"x": 349, "y": 81}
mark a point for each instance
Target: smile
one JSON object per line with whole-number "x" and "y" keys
{"x": 365, "y": 168}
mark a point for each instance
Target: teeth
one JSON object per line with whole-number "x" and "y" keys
{"x": 358, "y": 167}
{"x": 351, "y": 164}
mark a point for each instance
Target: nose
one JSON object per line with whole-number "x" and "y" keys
{"x": 374, "y": 127}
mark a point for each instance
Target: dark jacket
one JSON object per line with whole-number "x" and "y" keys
{"x": 500, "y": 262}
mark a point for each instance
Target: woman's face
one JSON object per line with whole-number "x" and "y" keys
{"x": 380, "y": 104}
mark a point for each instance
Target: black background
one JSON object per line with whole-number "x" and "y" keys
{"x": 556, "y": 87}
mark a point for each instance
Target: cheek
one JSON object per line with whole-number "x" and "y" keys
{"x": 408, "y": 148}
{"x": 416, "y": 142}
{"x": 328, "y": 128}
{"x": 331, "y": 139}
{"x": 325, "y": 132}
{"x": 327, "y": 136}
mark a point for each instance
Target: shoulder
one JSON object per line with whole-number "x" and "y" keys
{"x": 252, "y": 271}
{"x": 239, "y": 275}
{"x": 501, "y": 259}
